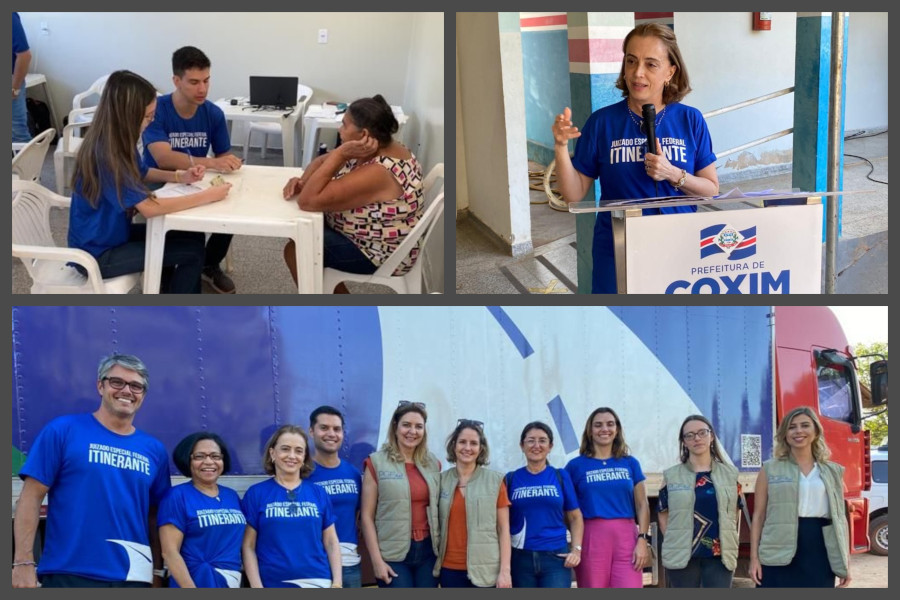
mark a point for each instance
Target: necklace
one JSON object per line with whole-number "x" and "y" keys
{"x": 640, "y": 124}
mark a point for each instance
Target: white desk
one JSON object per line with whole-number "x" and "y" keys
{"x": 35, "y": 79}
{"x": 288, "y": 120}
{"x": 254, "y": 206}
{"x": 313, "y": 122}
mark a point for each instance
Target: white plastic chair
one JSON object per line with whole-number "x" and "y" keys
{"x": 411, "y": 281}
{"x": 27, "y": 164}
{"x": 33, "y": 242}
{"x": 68, "y": 146}
{"x": 78, "y": 101}
{"x": 267, "y": 128}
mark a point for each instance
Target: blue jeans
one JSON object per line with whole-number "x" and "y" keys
{"x": 454, "y": 578}
{"x": 416, "y": 569}
{"x": 352, "y": 576}
{"x": 20, "y": 131}
{"x": 701, "y": 572}
{"x": 182, "y": 259}
{"x": 540, "y": 569}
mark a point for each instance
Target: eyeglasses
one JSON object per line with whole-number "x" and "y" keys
{"x": 404, "y": 403}
{"x": 117, "y": 383}
{"x": 700, "y": 435}
{"x": 200, "y": 456}
{"x": 470, "y": 423}
{"x": 536, "y": 441}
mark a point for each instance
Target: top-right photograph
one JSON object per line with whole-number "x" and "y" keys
{"x": 671, "y": 153}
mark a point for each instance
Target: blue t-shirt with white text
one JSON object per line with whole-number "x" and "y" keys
{"x": 195, "y": 136}
{"x": 102, "y": 486}
{"x": 343, "y": 484}
{"x": 213, "y": 530}
{"x": 289, "y": 530}
{"x": 536, "y": 516}
{"x": 605, "y": 487}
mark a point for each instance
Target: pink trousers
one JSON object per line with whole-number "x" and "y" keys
{"x": 606, "y": 555}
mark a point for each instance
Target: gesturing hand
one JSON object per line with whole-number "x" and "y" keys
{"x": 563, "y": 130}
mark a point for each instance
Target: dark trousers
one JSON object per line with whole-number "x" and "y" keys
{"x": 217, "y": 248}
{"x": 701, "y": 572}
{"x": 455, "y": 578}
{"x": 416, "y": 569}
{"x": 63, "y": 580}
{"x": 182, "y": 259}
{"x": 810, "y": 567}
{"x": 540, "y": 569}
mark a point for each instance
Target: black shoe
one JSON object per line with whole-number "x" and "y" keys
{"x": 218, "y": 280}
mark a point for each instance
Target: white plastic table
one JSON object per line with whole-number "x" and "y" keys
{"x": 254, "y": 206}
{"x": 288, "y": 120}
{"x": 317, "y": 118}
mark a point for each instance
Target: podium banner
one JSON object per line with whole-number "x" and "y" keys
{"x": 775, "y": 250}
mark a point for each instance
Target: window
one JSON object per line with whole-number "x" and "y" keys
{"x": 879, "y": 471}
{"x": 835, "y": 381}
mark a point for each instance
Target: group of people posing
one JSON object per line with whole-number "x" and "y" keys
{"x": 466, "y": 526}
{"x": 369, "y": 187}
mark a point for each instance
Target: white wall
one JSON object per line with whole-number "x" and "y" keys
{"x": 728, "y": 62}
{"x": 867, "y": 72}
{"x": 425, "y": 132}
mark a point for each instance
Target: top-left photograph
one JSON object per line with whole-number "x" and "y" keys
{"x": 227, "y": 153}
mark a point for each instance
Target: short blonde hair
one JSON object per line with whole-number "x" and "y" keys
{"x": 820, "y": 449}
{"x": 269, "y": 464}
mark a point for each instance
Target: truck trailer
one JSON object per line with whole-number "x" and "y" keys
{"x": 243, "y": 371}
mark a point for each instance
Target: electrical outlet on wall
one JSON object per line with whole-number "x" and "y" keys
{"x": 323, "y": 36}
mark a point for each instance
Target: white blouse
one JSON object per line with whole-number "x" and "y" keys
{"x": 813, "y": 497}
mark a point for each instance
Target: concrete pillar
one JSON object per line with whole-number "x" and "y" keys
{"x": 811, "y": 96}
{"x": 489, "y": 50}
{"x": 595, "y": 57}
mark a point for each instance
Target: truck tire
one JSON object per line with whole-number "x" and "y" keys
{"x": 878, "y": 533}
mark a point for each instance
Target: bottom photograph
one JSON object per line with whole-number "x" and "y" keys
{"x": 465, "y": 446}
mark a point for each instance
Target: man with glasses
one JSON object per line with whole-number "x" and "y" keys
{"x": 342, "y": 481}
{"x": 104, "y": 478}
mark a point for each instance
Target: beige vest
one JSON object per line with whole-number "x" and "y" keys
{"x": 483, "y": 544}
{"x": 681, "y": 483}
{"x": 393, "y": 512}
{"x": 778, "y": 542}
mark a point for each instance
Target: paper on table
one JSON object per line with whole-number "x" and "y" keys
{"x": 173, "y": 190}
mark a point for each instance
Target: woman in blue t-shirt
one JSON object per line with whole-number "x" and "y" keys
{"x": 701, "y": 550}
{"x": 610, "y": 487}
{"x": 613, "y": 144}
{"x": 290, "y": 539}
{"x": 543, "y": 504}
{"x": 200, "y": 522}
{"x": 109, "y": 187}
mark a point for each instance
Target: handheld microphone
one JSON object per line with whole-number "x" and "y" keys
{"x": 649, "y": 115}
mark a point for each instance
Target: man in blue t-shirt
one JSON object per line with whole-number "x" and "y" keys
{"x": 343, "y": 483}
{"x": 21, "y": 58}
{"x": 104, "y": 479}
{"x": 186, "y": 127}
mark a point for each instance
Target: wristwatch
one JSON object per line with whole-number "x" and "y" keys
{"x": 680, "y": 181}
{"x": 645, "y": 536}
{"x": 16, "y": 92}
{"x": 576, "y": 548}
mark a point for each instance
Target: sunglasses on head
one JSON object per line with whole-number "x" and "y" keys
{"x": 470, "y": 423}
{"x": 405, "y": 403}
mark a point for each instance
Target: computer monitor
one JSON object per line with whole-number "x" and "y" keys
{"x": 278, "y": 92}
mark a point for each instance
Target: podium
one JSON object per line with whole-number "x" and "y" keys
{"x": 772, "y": 247}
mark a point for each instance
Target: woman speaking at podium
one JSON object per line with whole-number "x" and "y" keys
{"x": 613, "y": 147}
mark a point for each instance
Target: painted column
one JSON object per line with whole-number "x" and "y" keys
{"x": 811, "y": 96}
{"x": 595, "y": 58}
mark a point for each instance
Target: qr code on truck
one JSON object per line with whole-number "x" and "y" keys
{"x": 751, "y": 451}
